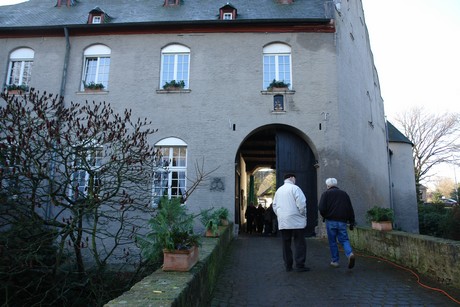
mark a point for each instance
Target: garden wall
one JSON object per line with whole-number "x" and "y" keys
{"x": 434, "y": 257}
{"x": 180, "y": 289}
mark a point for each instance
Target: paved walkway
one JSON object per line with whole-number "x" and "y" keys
{"x": 254, "y": 276}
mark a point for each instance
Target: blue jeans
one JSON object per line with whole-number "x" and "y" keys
{"x": 337, "y": 231}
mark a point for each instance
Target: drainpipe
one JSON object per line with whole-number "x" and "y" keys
{"x": 66, "y": 62}
{"x": 61, "y": 94}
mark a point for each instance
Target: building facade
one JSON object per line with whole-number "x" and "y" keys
{"x": 328, "y": 122}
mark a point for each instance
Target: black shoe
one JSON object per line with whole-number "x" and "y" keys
{"x": 351, "y": 261}
{"x": 304, "y": 269}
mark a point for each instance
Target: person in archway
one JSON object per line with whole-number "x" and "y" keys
{"x": 336, "y": 208}
{"x": 268, "y": 220}
{"x": 290, "y": 207}
{"x": 260, "y": 218}
{"x": 250, "y": 216}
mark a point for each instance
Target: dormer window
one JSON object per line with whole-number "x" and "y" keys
{"x": 227, "y": 12}
{"x": 171, "y": 2}
{"x": 97, "y": 16}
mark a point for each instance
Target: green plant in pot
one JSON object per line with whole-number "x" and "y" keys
{"x": 277, "y": 85}
{"x": 380, "y": 218}
{"x": 93, "y": 86}
{"x": 223, "y": 215}
{"x": 15, "y": 87}
{"x": 173, "y": 84}
{"x": 171, "y": 232}
{"x": 210, "y": 220}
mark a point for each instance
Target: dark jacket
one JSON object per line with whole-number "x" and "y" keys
{"x": 335, "y": 205}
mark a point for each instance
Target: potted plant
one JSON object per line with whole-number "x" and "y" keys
{"x": 93, "y": 87}
{"x": 380, "y": 218}
{"x": 223, "y": 214}
{"x": 14, "y": 89}
{"x": 172, "y": 237}
{"x": 210, "y": 220}
{"x": 276, "y": 86}
{"x": 174, "y": 85}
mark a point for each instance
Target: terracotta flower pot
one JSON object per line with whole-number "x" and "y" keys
{"x": 180, "y": 260}
{"x": 15, "y": 92}
{"x": 382, "y": 226}
{"x": 279, "y": 89}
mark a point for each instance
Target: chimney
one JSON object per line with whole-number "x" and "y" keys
{"x": 68, "y": 3}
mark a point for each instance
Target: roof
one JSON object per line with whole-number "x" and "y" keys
{"x": 394, "y": 135}
{"x": 42, "y": 13}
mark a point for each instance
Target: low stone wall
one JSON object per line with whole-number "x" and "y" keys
{"x": 434, "y": 257}
{"x": 177, "y": 289}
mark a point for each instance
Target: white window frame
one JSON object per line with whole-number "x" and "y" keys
{"x": 90, "y": 157}
{"x": 277, "y": 52}
{"x": 227, "y": 16}
{"x": 101, "y": 54}
{"x": 24, "y": 57}
{"x": 174, "y": 52}
{"x": 97, "y": 19}
{"x": 171, "y": 170}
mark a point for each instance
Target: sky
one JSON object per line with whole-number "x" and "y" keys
{"x": 416, "y": 48}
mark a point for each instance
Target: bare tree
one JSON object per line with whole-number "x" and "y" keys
{"x": 435, "y": 139}
{"x": 75, "y": 193}
{"x": 445, "y": 186}
{"x": 75, "y": 183}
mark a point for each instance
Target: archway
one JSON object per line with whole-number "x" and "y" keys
{"x": 284, "y": 149}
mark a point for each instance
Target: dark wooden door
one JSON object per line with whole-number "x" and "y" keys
{"x": 293, "y": 155}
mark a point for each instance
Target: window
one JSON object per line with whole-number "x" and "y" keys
{"x": 20, "y": 67}
{"x": 277, "y": 64}
{"x": 175, "y": 64}
{"x": 278, "y": 103}
{"x": 228, "y": 16}
{"x": 85, "y": 172}
{"x": 170, "y": 175}
{"x": 96, "y": 66}
{"x": 97, "y": 19}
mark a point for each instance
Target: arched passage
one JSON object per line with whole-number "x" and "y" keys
{"x": 283, "y": 149}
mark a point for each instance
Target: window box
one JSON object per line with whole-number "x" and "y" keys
{"x": 278, "y": 86}
{"x": 278, "y": 89}
{"x": 174, "y": 85}
{"x": 93, "y": 87}
{"x": 16, "y": 89}
{"x": 93, "y": 90}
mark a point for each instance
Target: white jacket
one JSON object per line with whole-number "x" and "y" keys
{"x": 290, "y": 206}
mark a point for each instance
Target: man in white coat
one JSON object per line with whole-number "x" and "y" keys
{"x": 290, "y": 207}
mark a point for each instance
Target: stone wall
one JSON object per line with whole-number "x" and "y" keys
{"x": 177, "y": 289}
{"x": 430, "y": 256}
